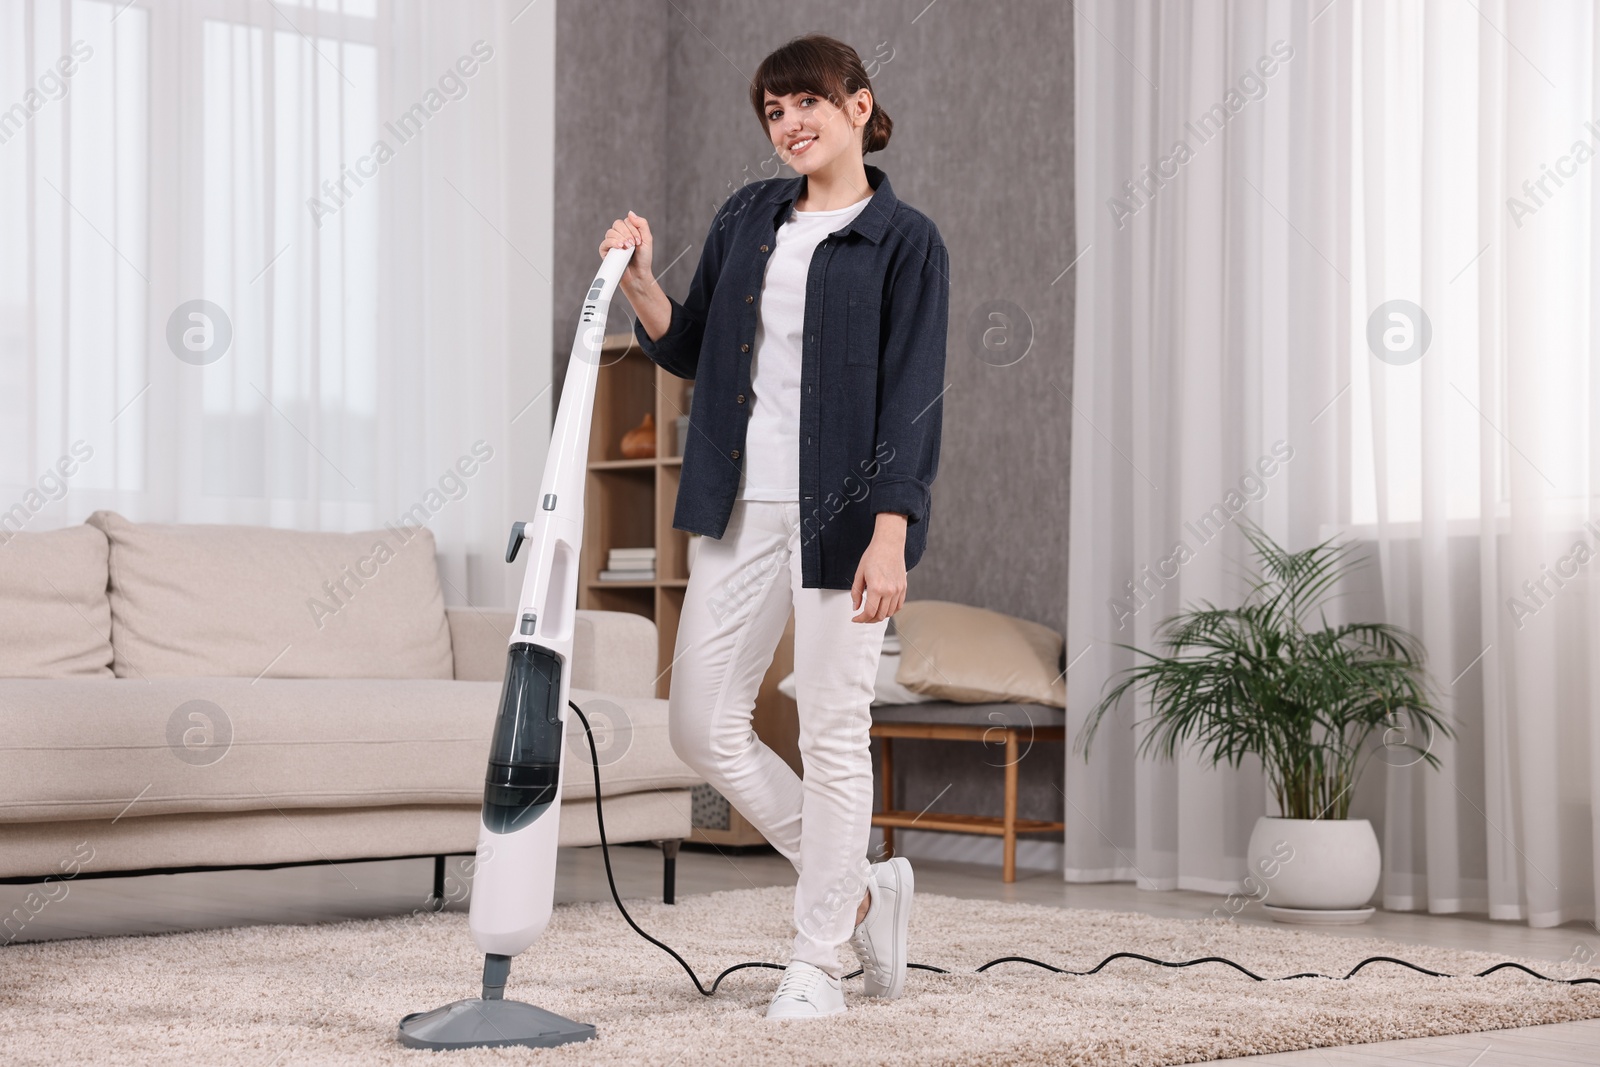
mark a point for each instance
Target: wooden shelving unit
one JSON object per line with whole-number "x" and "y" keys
{"x": 629, "y": 504}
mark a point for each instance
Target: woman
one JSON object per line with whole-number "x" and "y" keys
{"x": 814, "y": 329}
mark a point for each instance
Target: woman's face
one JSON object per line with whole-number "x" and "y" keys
{"x": 809, "y": 132}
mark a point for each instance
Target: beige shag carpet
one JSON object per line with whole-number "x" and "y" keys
{"x": 334, "y": 993}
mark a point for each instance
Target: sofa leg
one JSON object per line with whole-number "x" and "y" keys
{"x": 669, "y": 870}
{"x": 438, "y": 883}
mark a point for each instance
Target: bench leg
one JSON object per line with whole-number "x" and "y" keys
{"x": 669, "y": 870}
{"x": 438, "y": 883}
{"x": 887, "y": 744}
{"x": 1008, "y": 872}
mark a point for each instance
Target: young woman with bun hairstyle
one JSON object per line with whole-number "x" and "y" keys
{"x": 814, "y": 330}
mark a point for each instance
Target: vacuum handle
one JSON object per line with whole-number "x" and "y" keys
{"x": 611, "y": 268}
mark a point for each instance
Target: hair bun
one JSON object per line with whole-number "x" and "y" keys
{"x": 879, "y": 127}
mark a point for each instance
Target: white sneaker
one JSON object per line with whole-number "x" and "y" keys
{"x": 880, "y": 938}
{"x": 806, "y": 992}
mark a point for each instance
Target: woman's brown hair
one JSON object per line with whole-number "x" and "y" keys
{"x": 817, "y": 63}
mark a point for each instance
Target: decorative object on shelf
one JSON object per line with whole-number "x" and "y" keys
{"x": 640, "y": 442}
{"x": 1254, "y": 680}
{"x": 630, "y": 565}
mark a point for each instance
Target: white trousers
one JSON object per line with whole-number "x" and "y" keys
{"x": 740, "y": 592}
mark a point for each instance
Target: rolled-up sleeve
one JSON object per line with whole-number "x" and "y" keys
{"x": 678, "y": 350}
{"x": 910, "y": 404}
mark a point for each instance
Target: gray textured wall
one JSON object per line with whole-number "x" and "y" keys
{"x": 654, "y": 116}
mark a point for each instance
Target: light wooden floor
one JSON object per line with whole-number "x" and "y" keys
{"x": 99, "y": 907}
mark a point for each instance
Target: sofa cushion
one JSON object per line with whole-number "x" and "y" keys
{"x": 971, "y": 655}
{"x": 54, "y": 612}
{"x": 223, "y": 601}
{"x": 100, "y": 749}
{"x": 313, "y": 835}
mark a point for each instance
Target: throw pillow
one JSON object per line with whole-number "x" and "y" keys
{"x": 54, "y": 611}
{"x": 971, "y": 655}
{"x": 253, "y": 601}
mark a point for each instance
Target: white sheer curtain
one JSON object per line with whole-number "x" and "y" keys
{"x": 329, "y": 177}
{"x": 1337, "y": 157}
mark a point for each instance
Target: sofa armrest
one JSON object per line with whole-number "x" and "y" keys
{"x": 613, "y": 651}
{"x": 478, "y": 639}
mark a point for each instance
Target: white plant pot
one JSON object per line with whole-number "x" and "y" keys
{"x": 1313, "y": 864}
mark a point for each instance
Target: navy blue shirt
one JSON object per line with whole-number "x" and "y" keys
{"x": 871, "y": 378}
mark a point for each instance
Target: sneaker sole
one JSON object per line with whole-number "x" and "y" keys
{"x": 903, "y": 887}
{"x": 808, "y": 1015}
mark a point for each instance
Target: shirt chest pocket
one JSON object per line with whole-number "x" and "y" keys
{"x": 861, "y": 330}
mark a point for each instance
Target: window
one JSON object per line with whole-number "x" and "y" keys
{"x": 194, "y": 151}
{"x": 1437, "y": 205}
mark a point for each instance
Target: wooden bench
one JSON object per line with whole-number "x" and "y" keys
{"x": 1016, "y": 726}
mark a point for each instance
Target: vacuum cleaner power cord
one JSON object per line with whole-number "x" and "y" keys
{"x": 704, "y": 990}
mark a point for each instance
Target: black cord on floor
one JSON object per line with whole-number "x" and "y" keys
{"x": 605, "y": 850}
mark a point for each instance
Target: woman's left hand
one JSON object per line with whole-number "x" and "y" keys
{"x": 880, "y": 586}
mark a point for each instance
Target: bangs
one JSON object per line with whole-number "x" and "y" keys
{"x": 798, "y": 67}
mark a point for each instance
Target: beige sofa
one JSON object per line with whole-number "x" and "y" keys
{"x": 182, "y": 697}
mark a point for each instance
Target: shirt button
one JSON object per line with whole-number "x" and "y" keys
{"x": 740, "y": 398}
{"x": 744, "y": 348}
{"x": 763, "y": 248}
{"x": 734, "y": 454}
{"x": 748, "y": 299}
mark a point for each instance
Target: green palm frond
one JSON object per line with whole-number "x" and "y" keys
{"x": 1259, "y": 680}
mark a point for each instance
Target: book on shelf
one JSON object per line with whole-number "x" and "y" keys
{"x": 631, "y": 559}
{"x": 628, "y": 575}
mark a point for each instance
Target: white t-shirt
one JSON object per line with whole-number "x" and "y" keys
{"x": 772, "y": 442}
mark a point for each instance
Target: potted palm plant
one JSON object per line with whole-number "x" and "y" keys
{"x": 1273, "y": 678}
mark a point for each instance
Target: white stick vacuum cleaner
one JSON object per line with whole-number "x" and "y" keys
{"x": 514, "y": 883}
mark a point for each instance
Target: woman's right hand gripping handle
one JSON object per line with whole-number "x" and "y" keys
{"x": 649, "y": 301}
